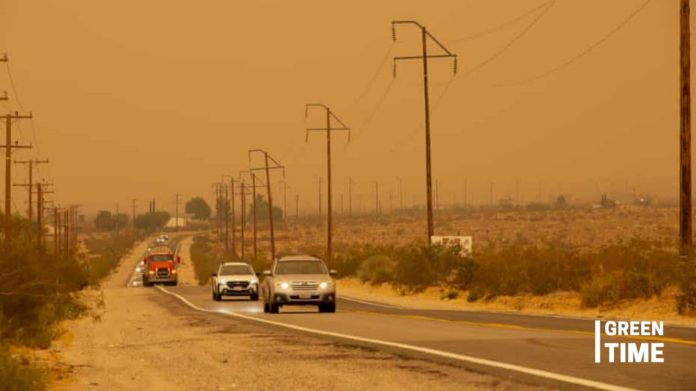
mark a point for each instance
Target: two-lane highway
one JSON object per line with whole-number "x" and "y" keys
{"x": 519, "y": 344}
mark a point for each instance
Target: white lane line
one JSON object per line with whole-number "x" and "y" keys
{"x": 460, "y": 357}
{"x": 371, "y": 303}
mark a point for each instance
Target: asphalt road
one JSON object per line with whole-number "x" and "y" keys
{"x": 559, "y": 345}
{"x": 556, "y": 345}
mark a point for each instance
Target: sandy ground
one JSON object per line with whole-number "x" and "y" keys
{"x": 559, "y": 303}
{"x": 187, "y": 276}
{"x": 139, "y": 338}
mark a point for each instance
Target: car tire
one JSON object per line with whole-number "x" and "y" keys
{"x": 265, "y": 308}
{"x": 275, "y": 308}
{"x": 254, "y": 297}
{"x": 328, "y": 307}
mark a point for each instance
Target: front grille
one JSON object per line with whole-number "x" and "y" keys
{"x": 304, "y": 286}
{"x": 162, "y": 272}
{"x": 242, "y": 284}
{"x": 297, "y": 297}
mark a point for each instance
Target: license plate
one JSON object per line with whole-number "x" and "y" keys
{"x": 305, "y": 295}
{"x": 237, "y": 288}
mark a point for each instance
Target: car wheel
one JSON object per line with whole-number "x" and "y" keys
{"x": 275, "y": 308}
{"x": 254, "y": 297}
{"x": 328, "y": 307}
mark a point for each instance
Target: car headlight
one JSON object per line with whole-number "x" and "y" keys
{"x": 324, "y": 285}
{"x": 254, "y": 281}
{"x": 173, "y": 271}
{"x": 284, "y": 285}
{"x": 150, "y": 272}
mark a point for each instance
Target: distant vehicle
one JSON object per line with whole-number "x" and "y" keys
{"x": 299, "y": 280}
{"x": 160, "y": 266}
{"x": 235, "y": 279}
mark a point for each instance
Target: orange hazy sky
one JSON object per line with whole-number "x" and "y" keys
{"x": 144, "y": 99}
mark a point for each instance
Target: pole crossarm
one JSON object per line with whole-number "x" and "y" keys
{"x": 426, "y": 34}
{"x": 329, "y": 113}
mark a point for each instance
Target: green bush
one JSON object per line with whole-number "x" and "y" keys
{"x": 376, "y": 269}
{"x": 204, "y": 261}
{"x": 16, "y": 375}
{"x": 624, "y": 270}
{"x": 686, "y": 300}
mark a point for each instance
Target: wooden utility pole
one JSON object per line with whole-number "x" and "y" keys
{"x": 41, "y": 192}
{"x": 465, "y": 192}
{"x": 350, "y": 197}
{"x": 327, "y": 130}
{"x": 517, "y": 193}
{"x": 133, "y": 213}
{"x": 685, "y": 228}
{"x": 297, "y": 206}
{"x": 267, "y": 169}
{"x": 376, "y": 199}
{"x": 242, "y": 218}
{"x": 8, "y": 171}
{"x": 176, "y": 211}
{"x": 401, "y": 195}
{"x": 319, "y": 200}
{"x": 56, "y": 233}
{"x": 253, "y": 208}
{"x": 233, "y": 216}
{"x": 424, "y": 57}
{"x": 226, "y": 211}
{"x": 30, "y": 188}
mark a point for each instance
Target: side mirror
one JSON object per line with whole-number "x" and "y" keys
{"x": 213, "y": 274}
{"x": 332, "y": 272}
{"x": 178, "y": 259}
{"x": 267, "y": 273}
{"x": 258, "y": 274}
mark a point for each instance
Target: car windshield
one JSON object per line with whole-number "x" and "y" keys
{"x": 228, "y": 270}
{"x": 162, "y": 257}
{"x": 300, "y": 267}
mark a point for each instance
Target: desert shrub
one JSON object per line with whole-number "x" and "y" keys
{"x": 418, "y": 267}
{"x": 17, "y": 374}
{"x": 105, "y": 254}
{"x": 204, "y": 260}
{"x": 376, "y": 269}
{"x": 601, "y": 289}
{"x": 449, "y": 294}
{"x": 686, "y": 300}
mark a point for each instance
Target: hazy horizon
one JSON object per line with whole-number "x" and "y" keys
{"x": 142, "y": 100}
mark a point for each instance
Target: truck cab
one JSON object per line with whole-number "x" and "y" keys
{"x": 160, "y": 265}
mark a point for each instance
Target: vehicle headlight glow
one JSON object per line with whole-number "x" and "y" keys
{"x": 284, "y": 285}
{"x": 254, "y": 280}
{"x": 324, "y": 285}
{"x": 150, "y": 272}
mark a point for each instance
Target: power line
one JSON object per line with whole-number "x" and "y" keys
{"x": 581, "y": 54}
{"x": 12, "y": 84}
{"x": 372, "y": 80}
{"x": 374, "y": 111}
{"x": 500, "y": 26}
{"x": 516, "y": 38}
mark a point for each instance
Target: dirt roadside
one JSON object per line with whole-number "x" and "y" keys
{"x": 139, "y": 338}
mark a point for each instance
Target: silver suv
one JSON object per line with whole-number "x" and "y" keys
{"x": 299, "y": 280}
{"x": 235, "y": 279}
